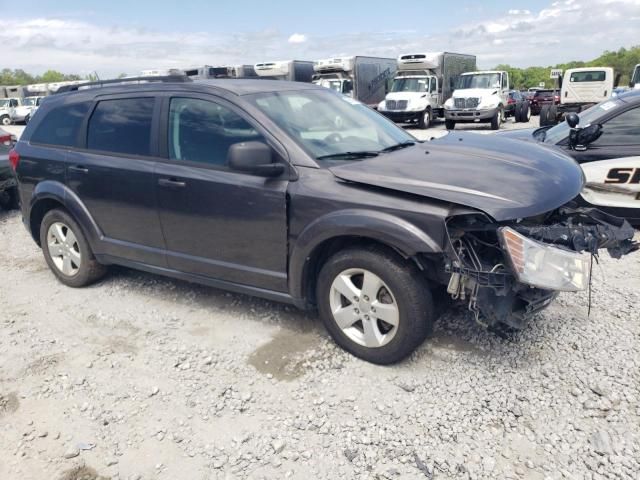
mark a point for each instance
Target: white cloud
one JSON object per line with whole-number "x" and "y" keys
{"x": 564, "y": 30}
{"x": 297, "y": 38}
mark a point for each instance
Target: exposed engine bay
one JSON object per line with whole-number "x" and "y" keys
{"x": 506, "y": 272}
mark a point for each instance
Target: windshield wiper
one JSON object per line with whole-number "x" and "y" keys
{"x": 398, "y": 146}
{"x": 347, "y": 155}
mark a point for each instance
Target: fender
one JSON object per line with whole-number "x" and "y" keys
{"x": 380, "y": 226}
{"x": 54, "y": 190}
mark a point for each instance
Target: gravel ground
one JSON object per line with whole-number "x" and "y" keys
{"x": 142, "y": 377}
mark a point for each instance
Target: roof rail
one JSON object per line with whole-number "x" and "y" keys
{"x": 122, "y": 81}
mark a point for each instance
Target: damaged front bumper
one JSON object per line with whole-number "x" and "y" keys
{"x": 508, "y": 272}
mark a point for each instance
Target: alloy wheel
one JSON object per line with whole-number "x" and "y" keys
{"x": 64, "y": 249}
{"x": 364, "y": 308}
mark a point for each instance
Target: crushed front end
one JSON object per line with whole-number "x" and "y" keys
{"x": 506, "y": 272}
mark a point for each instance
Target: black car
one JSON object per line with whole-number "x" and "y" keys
{"x": 517, "y": 107}
{"x": 610, "y": 158}
{"x": 295, "y": 193}
{"x": 8, "y": 184}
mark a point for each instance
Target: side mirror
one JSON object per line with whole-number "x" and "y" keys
{"x": 573, "y": 120}
{"x": 255, "y": 158}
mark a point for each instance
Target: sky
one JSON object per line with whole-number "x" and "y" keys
{"x": 118, "y": 36}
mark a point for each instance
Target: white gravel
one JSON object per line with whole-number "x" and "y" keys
{"x": 142, "y": 377}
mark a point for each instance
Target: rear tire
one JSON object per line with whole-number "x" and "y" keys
{"x": 67, "y": 251}
{"x": 359, "y": 289}
{"x": 449, "y": 124}
{"x": 525, "y": 115}
{"x": 517, "y": 113}
{"x": 548, "y": 115}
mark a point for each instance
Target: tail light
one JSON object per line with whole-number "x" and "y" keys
{"x": 5, "y": 140}
{"x": 510, "y": 101}
{"x": 14, "y": 159}
{"x": 556, "y": 98}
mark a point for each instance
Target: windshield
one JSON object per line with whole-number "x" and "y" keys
{"x": 409, "y": 85}
{"x": 326, "y": 124}
{"x": 591, "y": 115}
{"x": 479, "y": 80}
{"x": 636, "y": 75}
{"x": 4, "y": 102}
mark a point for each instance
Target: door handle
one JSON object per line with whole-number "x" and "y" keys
{"x": 171, "y": 183}
{"x": 79, "y": 169}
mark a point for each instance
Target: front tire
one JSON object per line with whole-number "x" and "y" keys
{"x": 5, "y": 120}
{"x": 67, "y": 251}
{"x": 497, "y": 119}
{"x": 425, "y": 119}
{"x": 449, "y": 124}
{"x": 374, "y": 304}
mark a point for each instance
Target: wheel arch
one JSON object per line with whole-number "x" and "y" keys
{"x": 51, "y": 194}
{"x": 339, "y": 230}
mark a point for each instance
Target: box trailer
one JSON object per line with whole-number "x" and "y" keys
{"x": 366, "y": 79}
{"x": 226, "y": 71}
{"x": 423, "y": 83}
{"x": 291, "y": 70}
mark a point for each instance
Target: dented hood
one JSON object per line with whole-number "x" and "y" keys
{"x": 504, "y": 178}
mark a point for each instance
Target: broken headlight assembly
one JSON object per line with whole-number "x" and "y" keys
{"x": 543, "y": 265}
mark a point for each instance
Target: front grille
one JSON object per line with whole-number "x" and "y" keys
{"x": 471, "y": 102}
{"x": 396, "y": 104}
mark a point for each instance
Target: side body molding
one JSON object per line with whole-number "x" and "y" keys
{"x": 53, "y": 190}
{"x": 375, "y": 225}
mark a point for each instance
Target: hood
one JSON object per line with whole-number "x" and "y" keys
{"x": 404, "y": 95}
{"x": 507, "y": 179}
{"x": 473, "y": 92}
{"x": 518, "y": 134}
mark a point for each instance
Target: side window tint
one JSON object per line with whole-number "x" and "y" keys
{"x": 621, "y": 130}
{"x": 60, "y": 125}
{"x": 202, "y": 131}
{"x": 121, "y": 126}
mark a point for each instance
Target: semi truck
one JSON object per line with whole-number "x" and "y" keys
{"x": 580, "y": 88}
{"x": 479, "y": 97}
{"x": 291, "y": 70}
{"x": 366, "y": 79}
{"x": 423, "y": 82}
{"x": 227, "y": 71}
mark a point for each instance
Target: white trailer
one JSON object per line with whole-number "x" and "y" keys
{"x": 291, "y": 70}
{"x": 226, "y": 71}
{"x": 423, "y": 83}
{"x": 366, "y": 79}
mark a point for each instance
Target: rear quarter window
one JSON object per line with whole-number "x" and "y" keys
{"x": 60, "y": 125}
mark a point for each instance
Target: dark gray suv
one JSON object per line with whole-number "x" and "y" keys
{"x": 295, "y": 193}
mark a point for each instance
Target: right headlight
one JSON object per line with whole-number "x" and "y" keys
{"x": 544, "y": 266}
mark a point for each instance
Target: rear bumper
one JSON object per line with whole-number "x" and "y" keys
{"x": 470, "y": 115}
{"x": 401, "y": 116}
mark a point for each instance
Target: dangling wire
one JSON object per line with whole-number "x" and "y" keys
{"x": 590, "y": 280}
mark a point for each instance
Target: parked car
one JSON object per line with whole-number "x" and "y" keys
{"x": 543, "y": 97}
{"x": 296, "y": 193}
{"x": 517, "y": 106}
{"x": 8, "y": 184}
{"x": 609, "y": 155}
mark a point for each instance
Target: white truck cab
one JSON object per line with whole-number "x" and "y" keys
{"x": 588, "y": 85}
{"x": 7, "y": 105}
{"x": 291, "y": 70}
{"x": 479, "y": 97}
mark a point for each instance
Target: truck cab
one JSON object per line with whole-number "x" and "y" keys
{"x": 336, "y": 74}
{"x": 589, "y": 85}
{"x": 291, "y": 70}
{"x": 414, "y": 92}
{"x": 479, "y": 97}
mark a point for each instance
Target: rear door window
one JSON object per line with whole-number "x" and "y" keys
{"x": 122, "y": 126}
{"x": 61, "y": 125}
{"x": 590, "y": 76}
